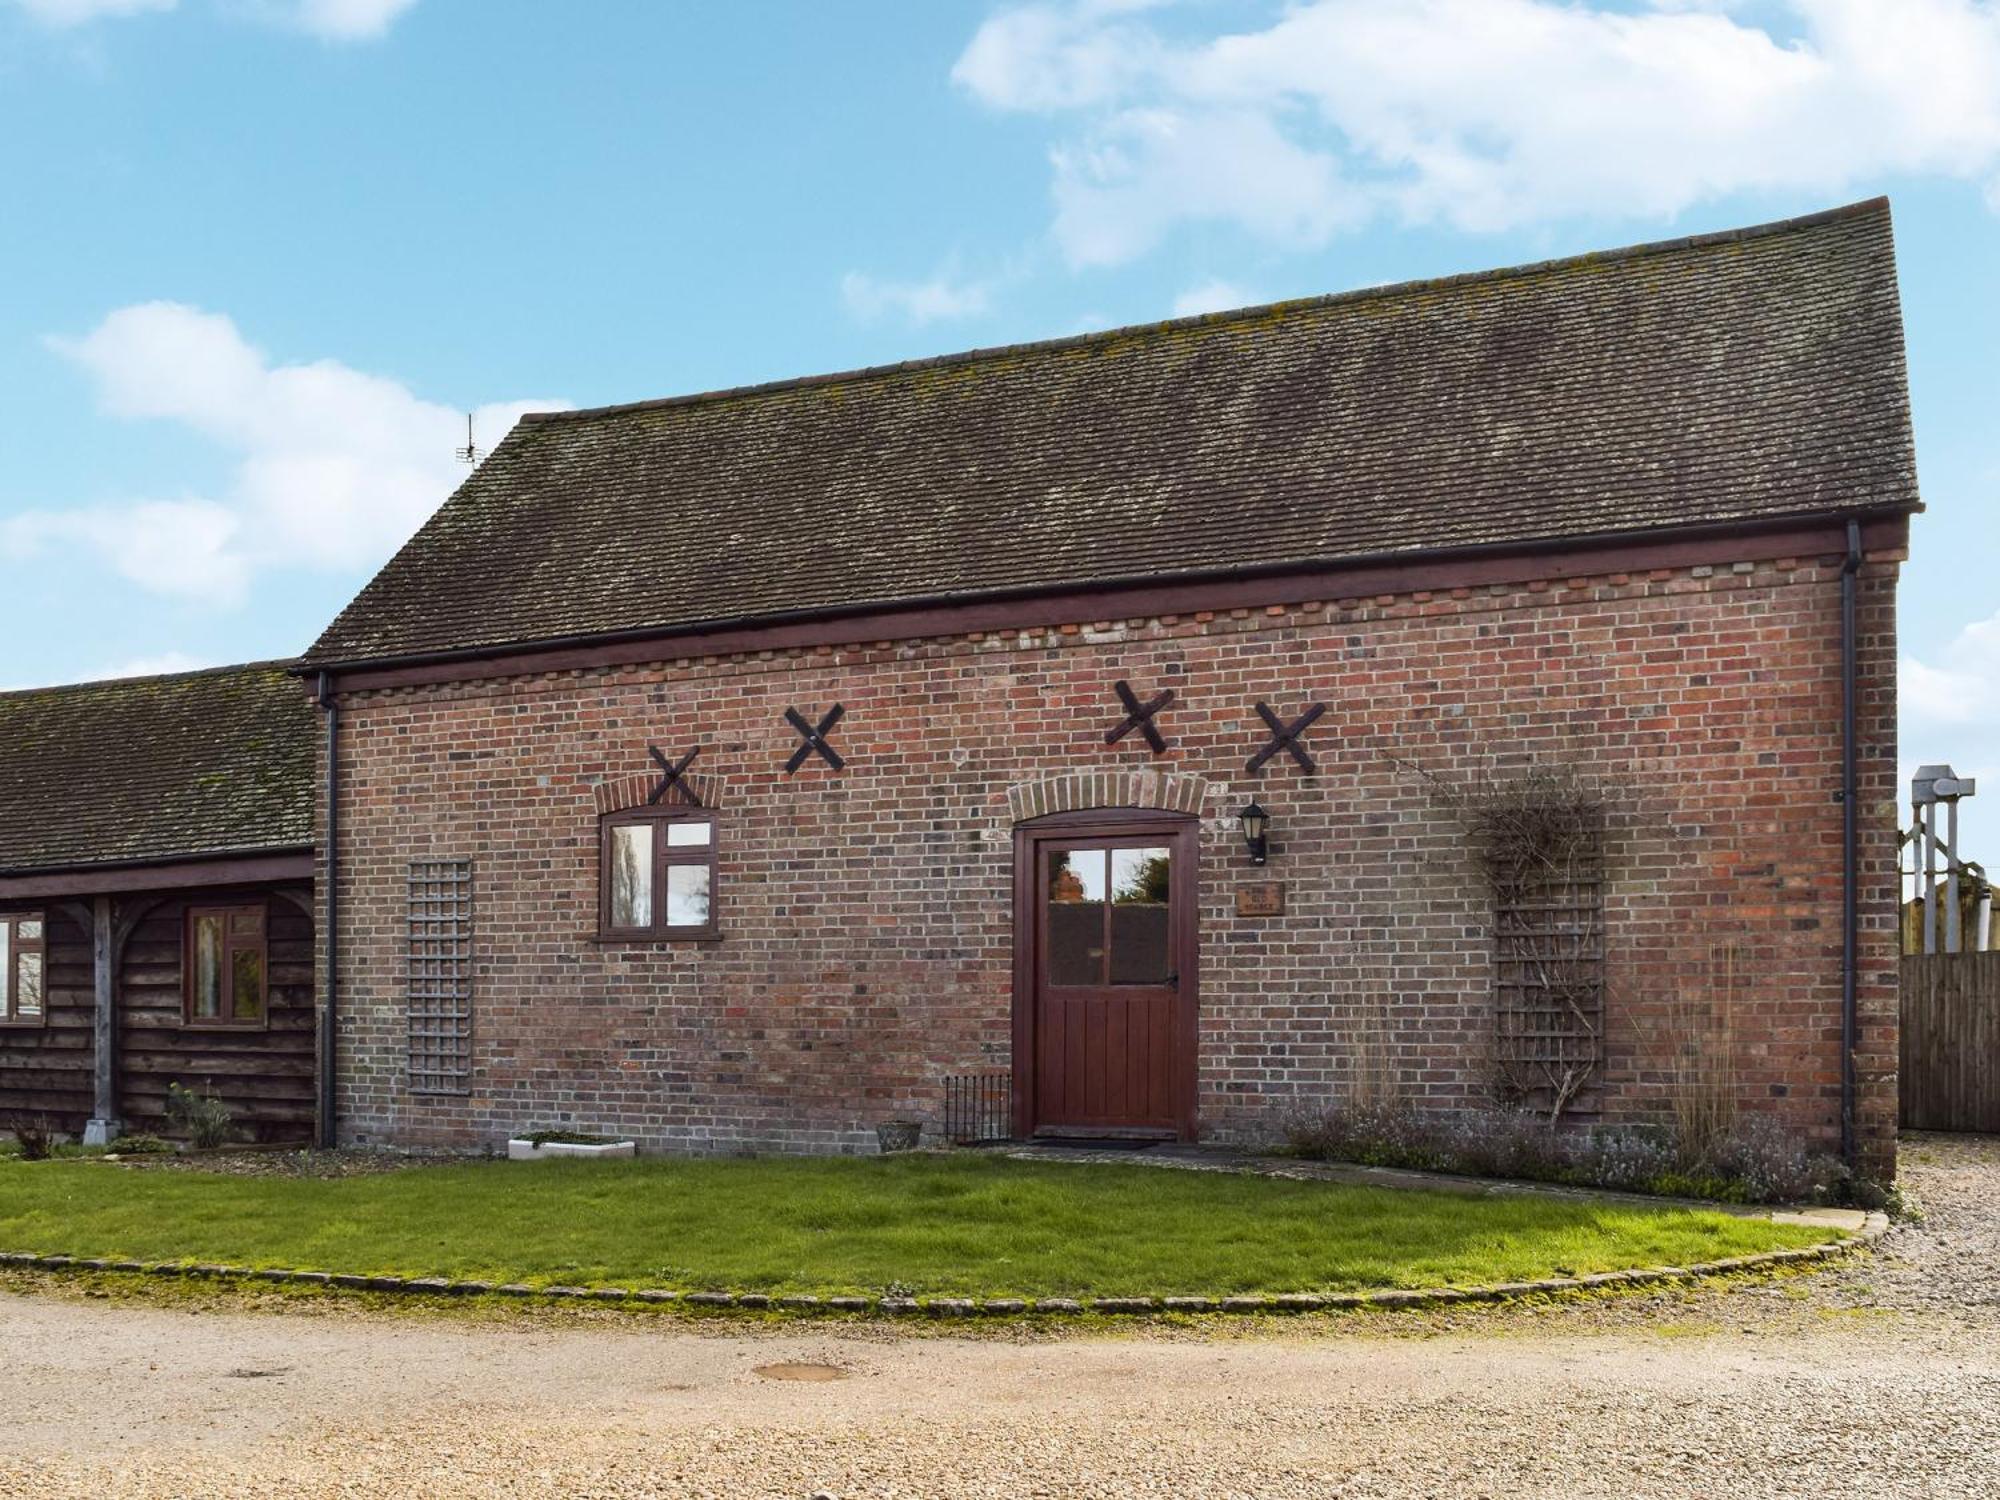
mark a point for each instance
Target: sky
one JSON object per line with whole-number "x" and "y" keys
{"x": 261, "y": 257}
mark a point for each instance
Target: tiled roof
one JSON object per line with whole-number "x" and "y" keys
{"x": 1746, "y": 376}
{"x": 156, "y": 768}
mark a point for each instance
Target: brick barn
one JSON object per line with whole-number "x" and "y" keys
{"x": 742, "y": 771}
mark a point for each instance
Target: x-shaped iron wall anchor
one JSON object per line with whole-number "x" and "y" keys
{"x": 1139, "y": 716}
{"x": 671, "y": 773}
{"x": 815, "y": 738}
{"x": 1286, "y": 737}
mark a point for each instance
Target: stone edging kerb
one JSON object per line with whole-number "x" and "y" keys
{"x": 959, "y": 1307}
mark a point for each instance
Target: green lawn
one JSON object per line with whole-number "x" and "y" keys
{"x": 949, "y": 1225}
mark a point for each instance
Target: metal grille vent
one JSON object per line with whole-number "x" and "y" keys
{"x": 978, "y": 1107}
{"x": 440, "y": 976}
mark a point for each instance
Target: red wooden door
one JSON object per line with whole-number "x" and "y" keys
{"x": 1108, "y": 952}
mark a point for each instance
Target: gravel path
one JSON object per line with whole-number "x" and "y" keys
{"x": 1880, "y": 1378}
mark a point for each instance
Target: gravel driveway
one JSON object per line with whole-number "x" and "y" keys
{"x": 1880, "y": 1378}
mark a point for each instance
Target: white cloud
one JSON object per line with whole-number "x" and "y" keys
{"x": 334, "y": 467}
{"x": 941, "y": 297}
{"x": 331, "y": 20}
{"x": 1054, "y": 57}
{"x": 1961, "y": 686}
{"x": 1485, "y": 113}
{"x": 186, "y": 547}
{"x": 78, "y": 12}
{"x": 345, "y": 20}
{"x": 1213, "y": 295}
{"x": 1120, "y": 190}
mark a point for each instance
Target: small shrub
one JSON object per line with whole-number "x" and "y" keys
{"x": 203, "y": 1117}
{"x": 1384, "y": 1133}
{"x": 1626, "y": 1159}
{"x": 1888, "y": 1198}
{"x": 1507, "y": 1143}
{"x": 1770, "y": 1163}
{"x": 37, "y": 1140}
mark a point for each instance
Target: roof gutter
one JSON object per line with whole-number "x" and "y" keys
{"x": 914, "y": 603}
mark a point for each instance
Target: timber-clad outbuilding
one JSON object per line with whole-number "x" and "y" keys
{"x": 1076, "y": 738}
{"x": 156, "y": 869}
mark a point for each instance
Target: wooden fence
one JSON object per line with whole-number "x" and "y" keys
{"x": 1951, "y": 1041}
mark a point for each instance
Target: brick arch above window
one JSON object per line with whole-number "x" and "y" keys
{"x": 1080, "y": 789}
{"x": 618, "y": 793}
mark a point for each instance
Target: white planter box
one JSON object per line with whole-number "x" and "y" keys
{"x": 523, "y": 1150}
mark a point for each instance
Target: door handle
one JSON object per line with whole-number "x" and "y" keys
{"x": 1174, "y": 980}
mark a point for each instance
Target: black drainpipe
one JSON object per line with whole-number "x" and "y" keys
{"x": 329, "y": 870}
{"x": 1849, "y": 815}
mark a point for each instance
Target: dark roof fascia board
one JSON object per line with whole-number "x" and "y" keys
{"x": 1236, "y": 314}
{"x": 1395, "y": 572}
{"x": 245, "y": 867}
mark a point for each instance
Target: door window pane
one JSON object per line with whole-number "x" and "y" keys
{"x": 685, "y": 832}
{"x": 1141, "y": 929}
{"x": 207, "y": 1003}
{"x": 31, "y": 930}
{"x": 632, "y": 875}
{"x": 28, "y": 987}
{"x": 1139, "y": 877}
{"x": 687, "y": 895}
{"x": 1076, "y": 916}
{"x": 1076, "y": 874}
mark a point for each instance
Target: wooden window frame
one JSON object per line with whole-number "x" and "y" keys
{"x": 665, "y": 856}
{"x": 10, "y": 981}
{"x": 227, "y": 1020}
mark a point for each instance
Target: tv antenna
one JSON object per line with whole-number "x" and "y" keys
{"x": 469, "y": 454}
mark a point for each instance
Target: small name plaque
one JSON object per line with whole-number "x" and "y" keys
{"x": 1265, "y": 898}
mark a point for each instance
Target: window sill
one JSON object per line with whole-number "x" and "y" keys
{"x": 24, "y": 1025}
{"x": 648, "y": 940}
{"x": 199, "y": 1026}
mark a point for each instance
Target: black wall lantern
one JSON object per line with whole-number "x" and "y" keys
{"x": 1256, "y": 825}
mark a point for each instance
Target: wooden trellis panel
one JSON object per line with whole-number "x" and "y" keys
{"x": 1548, "y": 983}
{"x": 440, "y": 976}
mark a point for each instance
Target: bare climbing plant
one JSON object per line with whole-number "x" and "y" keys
{"x": 1536, "y": 838}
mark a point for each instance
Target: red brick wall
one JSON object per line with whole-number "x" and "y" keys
{"x": 866, "y": 914}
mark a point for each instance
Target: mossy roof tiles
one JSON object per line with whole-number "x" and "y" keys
{"x": 181, "y": 766}
{"x": 1740, "y": 377}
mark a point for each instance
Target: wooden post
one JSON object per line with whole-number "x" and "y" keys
{"x": 1951, "y": 921}
{"x": 104, "y": 1125}
{"x": 1930, "y": 877}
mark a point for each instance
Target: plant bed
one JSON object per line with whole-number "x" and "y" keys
{"x": 1754, "y": 1162}
{"x": 548, "y": 1145}
{"x": 904, "y": 1228}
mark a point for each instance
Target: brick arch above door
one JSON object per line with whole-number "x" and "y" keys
{"x": 1076, "y": 790}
